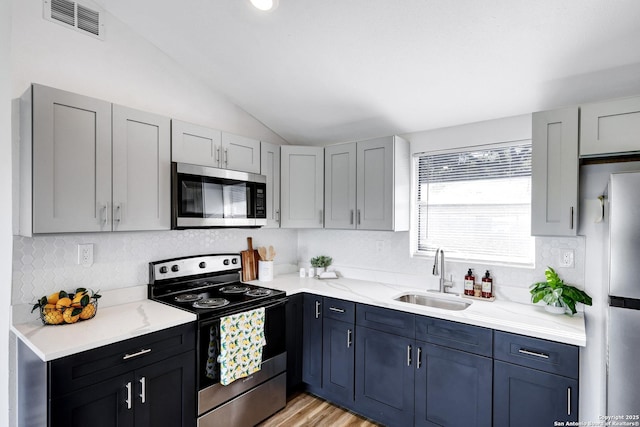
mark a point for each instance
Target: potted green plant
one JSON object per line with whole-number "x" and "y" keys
{"x": 321, "y": 261}
{"x": 558, "y": 295}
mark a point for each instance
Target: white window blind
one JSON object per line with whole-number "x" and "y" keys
{"x": 476, "y": 203}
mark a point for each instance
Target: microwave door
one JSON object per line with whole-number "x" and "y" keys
{"x": 235, "y": 200}
{"x": 212, "y": 200}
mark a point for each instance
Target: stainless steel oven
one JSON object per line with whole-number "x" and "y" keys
{"x": 205, "y": 197}
{"x": 209, "y": 286}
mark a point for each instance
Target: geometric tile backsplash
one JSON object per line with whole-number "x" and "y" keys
{"x": 48, "y": 263}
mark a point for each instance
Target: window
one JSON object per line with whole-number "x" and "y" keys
{"x": 475, "y": 203}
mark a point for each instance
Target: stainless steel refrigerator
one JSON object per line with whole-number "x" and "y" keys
{"x": 623, "y": 364}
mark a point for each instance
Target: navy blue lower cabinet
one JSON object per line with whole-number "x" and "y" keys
{"x": 294, "y": 336}
{"x": 338, "y": 358}
{"x": 452, "y": 387}
{"x": 312, "y": 340}
{"x": 529, "y": 397}
{"x": 384, "y": 377}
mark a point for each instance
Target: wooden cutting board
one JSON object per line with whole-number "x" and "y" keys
{"x": 249, "y": 262}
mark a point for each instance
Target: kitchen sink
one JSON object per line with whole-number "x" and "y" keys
{"x": 445, "y": 303}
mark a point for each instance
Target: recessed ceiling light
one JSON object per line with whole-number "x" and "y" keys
{"x": 265, "y": 4}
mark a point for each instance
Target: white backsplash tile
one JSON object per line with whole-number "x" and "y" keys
{"x": 45, "y": 264}
{"x": 356, "y": 254}
{"x": 48, "y": 263}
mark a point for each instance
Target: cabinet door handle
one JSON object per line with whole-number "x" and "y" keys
{"x": 533, "y": 353}
{"x": 106, "y": 214}
{"x": 226, "y": 157}
{"x": 128, "y": 401}
{"x": 351, "y": 220}
{"x": 143, "y": 390}
{"x": 571, "y": 218}
{"x": 409, "y": 355}
{"x": 568, "y": 400}
{"x": 118, "y": 216}
{"x": 349, "y": 342}
{"x": 321, "y": 216}
{"x": 218, "y": 155}
{"x": 140, "y": 353}
{"x": 278, "y": 216}
{"x": 359, "y": 217}
{"x": 317, "y": 309}
{"x": 336, "y": 309}
{"x": 419, "y": 362}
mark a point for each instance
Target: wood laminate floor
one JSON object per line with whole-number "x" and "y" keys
{"x": 304, "y": 409}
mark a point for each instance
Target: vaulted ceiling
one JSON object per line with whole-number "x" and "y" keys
{"x": 336, "y": 70}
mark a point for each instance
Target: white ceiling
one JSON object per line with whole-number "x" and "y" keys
{"x": 337, "y": 70}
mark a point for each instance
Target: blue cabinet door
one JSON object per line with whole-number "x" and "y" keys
{"x": 384, "y": 377}
{"x": 530, "y": 398}
{"x": 312, "y": 340}
{"x": 294, "y": 336}
{"x": 453, "y": 388}
{"x": 338, "y": 359}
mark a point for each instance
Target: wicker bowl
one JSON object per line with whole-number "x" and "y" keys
{"x": 65, "y": 316}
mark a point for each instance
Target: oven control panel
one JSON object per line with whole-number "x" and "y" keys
{"x": 192, "y": 266}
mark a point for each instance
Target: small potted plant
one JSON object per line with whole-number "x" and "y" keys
{"x": 558, "y": 295}
{"x": 321, "y": 261}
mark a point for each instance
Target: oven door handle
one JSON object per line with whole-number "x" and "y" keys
{"x": 212, "y": 321}
{"x": 275, "y": 304}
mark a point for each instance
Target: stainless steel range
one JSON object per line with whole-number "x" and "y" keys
{"x": 209, "y": 286}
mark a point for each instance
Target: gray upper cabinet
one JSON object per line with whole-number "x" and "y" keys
{"x": 302, "y": 179}
{"x": 340, "y": 186}
{"x": 554, "y": 173}
{"x": 240, "y": 153}
{"x": 69, "y": 182}
{"x": 610, "y": 127}
{"x": 195, "y": 144}
{"x": 200, "y": 145}
{"x": 270, "y": 167}
{"x": 141, "y": 170}
{"x": 71, "y": 145}
{"x": 367, "y": 185}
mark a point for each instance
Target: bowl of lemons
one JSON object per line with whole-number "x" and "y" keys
{"x": 61, "y": 308}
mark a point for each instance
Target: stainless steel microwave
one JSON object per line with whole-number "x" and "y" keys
{"x": 204, "y": 197}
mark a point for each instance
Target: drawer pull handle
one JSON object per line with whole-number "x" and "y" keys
{"x": 140, "y": 353}
{"x": 336, "y": 309}
{"x": 317, "y": 309}
{"x": 533, "y": 353}
{"x": 409, "y": 355}
{"x": 143, "y": 390}
{"x": 128, "y": 401}
{"x": 349, "y": 341}
{"x": 568, "y": 400}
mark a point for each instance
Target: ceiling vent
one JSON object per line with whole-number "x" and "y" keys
{"x": 74, "y": 15}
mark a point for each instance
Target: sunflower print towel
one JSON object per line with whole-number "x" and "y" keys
{"x": 241, "y": 342}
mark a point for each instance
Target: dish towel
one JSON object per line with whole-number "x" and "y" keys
{"x": 241, "y": 342}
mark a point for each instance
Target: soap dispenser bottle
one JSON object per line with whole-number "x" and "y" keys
{"x": 487, "y": 285}
{"x": 469, "y": 281}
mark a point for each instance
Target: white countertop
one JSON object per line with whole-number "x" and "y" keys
{"x": 526, "y": 319}
{"x": 114, "y": 322}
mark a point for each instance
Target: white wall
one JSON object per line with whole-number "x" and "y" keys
{"x": 5, "y": 194}
{"x": 124, "y": 69}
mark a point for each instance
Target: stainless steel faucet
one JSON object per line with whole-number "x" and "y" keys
{"x": 439, "y": 270}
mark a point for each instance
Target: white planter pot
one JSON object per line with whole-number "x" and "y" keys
{"x": 554, "y": 309}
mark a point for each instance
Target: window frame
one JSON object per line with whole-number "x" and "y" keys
{"x": 413, "y": 226}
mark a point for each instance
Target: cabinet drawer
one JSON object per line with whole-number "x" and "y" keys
{"x": 549, "y": 356}
{"x": 339, "y": 309}
{"x": 386, "y": 320}
{"x": 92, "y": 366}
{"x": 473, "y": 339}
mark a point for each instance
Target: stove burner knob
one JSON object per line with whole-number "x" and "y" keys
{"x": 163, "y": 269}
{"x": 225, "y": 262}
{"x": 234, "y": 261}
{"x": 175, "y": 268}
{"x": 202, "y": 264}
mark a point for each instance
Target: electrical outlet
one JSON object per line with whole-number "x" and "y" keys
{"x": 567, "y": 258}
{"x": 85, "y": 254}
